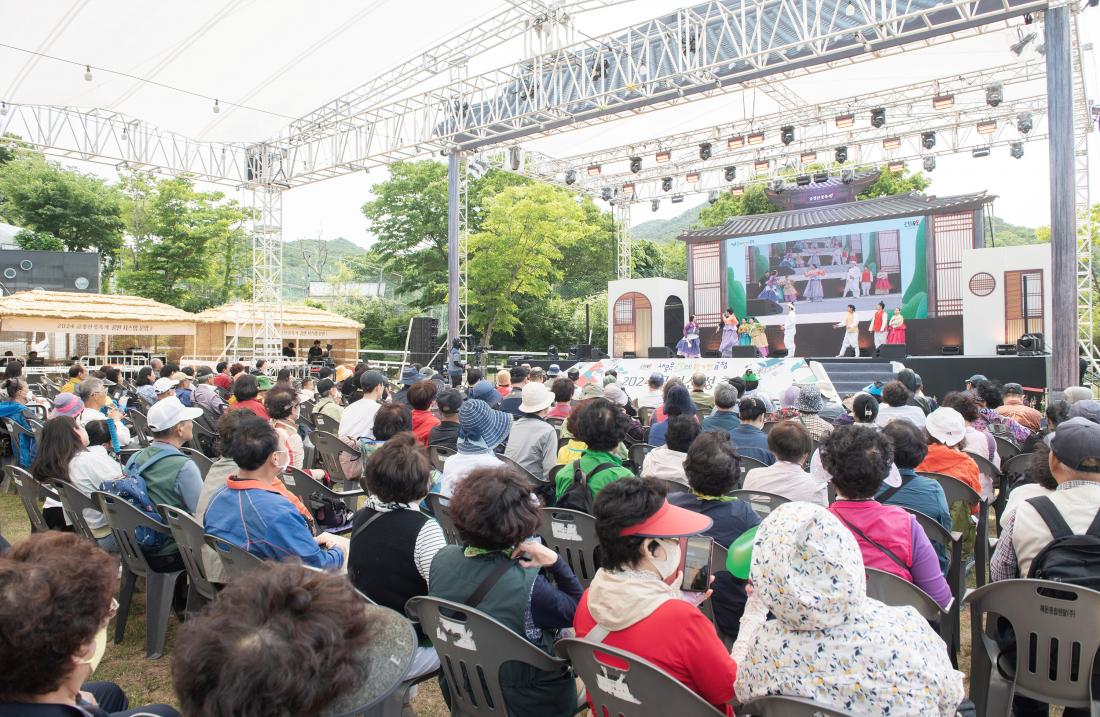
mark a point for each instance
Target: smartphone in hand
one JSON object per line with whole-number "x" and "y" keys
{"x": 696, "y": 568}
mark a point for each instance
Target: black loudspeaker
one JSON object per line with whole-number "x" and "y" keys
{"x": 892, "y": 352}
{"x": 1030, "y": 345}
{"x": 778, "y": 353}
{"x": 660, "y": 352}
{"x": 597, "y": 353}
{"x": 423, "y": 339}
{"x": 865, "y": 352}
{"x": 584, "y": 352}
{"x": 742, "y": 352}
{"x": 712, "y": 354}
{"x": 630, "y": 354}
{"x": 1006, "y": 349}
{"x": 953, "y": 350}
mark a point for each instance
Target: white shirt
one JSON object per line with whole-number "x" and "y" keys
{"x": 888, "y": 414}
{"x": 358, "y": 420}
{"x": 87, "y": 471}
{"x": 790, "y": 481}
{"x": 664, "y": 462}
{"x": 90, "y": 414}
{"x": 652, "y": 399}
{"x": 791, "y": 322}
{"x": 460, "y": 465}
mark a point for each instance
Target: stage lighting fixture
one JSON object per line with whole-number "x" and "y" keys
{"x": 786, "y": 134}
{"x": 654, "y": 205}
{"x": 3, "y": 108}
{"x": 929, "y": 164}
{"x": 841, "y": 154}
{"x": 730, "y": 173}
{"x": 1024, "y": 123}
{"x": 594, "y": 170}
{"x": 808, "y": 157}
{"x": 943, "y": 102}
{"x": 605, "y": 194}
{"x": 666, "y": 184}
{"x": 980, "y": 151}
{"x": 756, "y": 138}
{"x": 895, "y": 167}
{"x": 677, "y": 198}
{"x": 87, "y": 73}
{"x": 821, "y": 177}
{"x": 704, "y": 151}
{"x": 691, "y": 177}
{"x": 737, "y": 191}
{"x": 712, "y": 198}
{"x": 571, "y": 176}
{"x": 663, "y": 156}
{"x": 217, "y": 107}
{"x": 735, "y": 142}
{"x": 847, "y": 175}
{"x": 515, "y": 158}
{"x": 802, "y": 180}
{"x": 994, "y": 94}
{"x": 761, "y": 165}
{"x": 928, "y": 139}
{"x": 777, "y": 185}
{"x": 635, "y": 164}
{"x": 1018, "y": 46}
{"x": 987, "y": 127}
{"x": 891, "y": 143}
{"x": 878, "y": 117}
{"x": 628, "y": 190}
{"x": 845, "y": 121}
{"x": 1016, "y": 150}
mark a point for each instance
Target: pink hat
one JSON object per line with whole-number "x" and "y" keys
{"x": 67, "y": 404}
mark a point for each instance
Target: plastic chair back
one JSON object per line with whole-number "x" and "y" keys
{"x": 124, "y": 520}
{"x": 201, "y": 460}
{"x": 321, "y": 422}
{"x": 533, "y": 479}
{"x": 204, "y": 441}
{"x": 189, "y": 536}
{"x": 74, "y": 503}
{"x": 572, "y": 534}
{"x": 952, "y": 543}
{"x": 623, "y": 684}
{"x": 1015, "y": 466}
{"x": 31, "y": 494}
{"x": 637, "y": 453}
{"x": 892, "y": 590}
{"x": 1006, "y": 447}
{"x": 439, "y": 454}
{"x": 644, "y": 414}
{"x": 330, "y": 448}
{"x": 747, "y": 464}
{"x": 16, "y": 430}
{"x": 472, "y": 647}
{"x": 438, "y": 505}
{"x": 236, "y": 560}
{"x": 955, "y": 490}
{"x": 674, "y": 486}
{"x": 141, "y": 426}
{"x": 761, "y": 502}
{"x": 784, "y": 706}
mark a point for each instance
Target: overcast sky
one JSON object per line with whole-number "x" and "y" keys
{"x": 284, "y": 58}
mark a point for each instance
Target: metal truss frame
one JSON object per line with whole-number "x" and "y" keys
{"x": 1082, "y": 126}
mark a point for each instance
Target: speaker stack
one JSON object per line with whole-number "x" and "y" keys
{"x": 424, "y": 339}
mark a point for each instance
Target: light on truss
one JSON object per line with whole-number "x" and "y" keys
{"x": 943, "y": 102}
{"x": 808, "y": 157}
{"x": 1016, "y": 150}
{"x": 845, "y": 121}
{"x": 895, "y": 167}
{"x": 735, "y": 142}
{"x": 847, "y": 176}
{"x": 841, "y": 154}
{"x": 666, "y": 184}
{"x": 1024, "y": 123}
{"x": 662, "y": 156}
{"x": 217, "y": 107}
{"x": 891, "y": 143}
{"x": 1017, "y": 47}
{"x": 605, "y": 194}
{"x": 928, "y": 139}
{"x": 712, "y": 198}
{"x": 761, "y": 165}
{"x": 730, "y": 173}
{"x": 737, "y": 191}
{"x": 929, "y": 164}
{"x": 87, "y": 73}
{"x": 677, "y": 198}
{"x": 691, "y": 177}
{"x": 704, "y": 151}
{"x": 786, "y": 134}
{"x": 594, "y": 170}
{"x": 628, "y": 190}
{"x": 980, "y": 151}
{"x": 571, "y": 176}
{"x": 654, "y": 205}
{"x": 987, "y": 127}
{"x": 3, "y": 108}
{"x": 635, "y": 164}
{"x": 994, "y": 94}
{"x": 878, "y": 117}
{"x": 756, "y": 138}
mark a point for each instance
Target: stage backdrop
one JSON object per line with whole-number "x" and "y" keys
{"x": 775, "y": 375}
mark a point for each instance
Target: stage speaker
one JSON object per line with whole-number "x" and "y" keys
{"x": 743, "y": 352}
{"x": 778, "y": 353}
{"x": 712, "y": 354}
{"x": 660, "y": 352}
{"x": 892, "y": 352}
{"x": 865, "y": 352}
{"x": 423, "y": 339}
{"x": 1030, "y": 345}
{"x": 953, "y": 350}
{"x": 1006, "y": 349}
{"x": 630, "y": 354}
{"x": 583, "y": 352}
{"x": 597, "y": 353}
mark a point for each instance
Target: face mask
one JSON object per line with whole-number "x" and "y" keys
{"x": 670, "y": 563}
{"x": 100, "y": 648}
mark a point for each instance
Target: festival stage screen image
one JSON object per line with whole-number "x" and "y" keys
{"x": 824, "y": 269}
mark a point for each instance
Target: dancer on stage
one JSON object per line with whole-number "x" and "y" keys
{"x": 852, "y": 282}
{"x": 790, "y": 291}
{"x": 880, "y": 325}
{"x": 865, "y": 280}
{"x": 688, "y": 347}
{"x": 882, "y": 283}
{"x": 850, "y": 324}
{"x": 729, "y": 333}
{"x": 770, "y": 291}
{"x": 897, "y": 329}
{"x": 789, "y": 329}
{"x": 743, "y": 338}
{"x": 759, "y": 337}
{"x": 814, "y": 291}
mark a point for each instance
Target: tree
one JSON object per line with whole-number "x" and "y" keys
{"x": 890, "y": 183}
{"x": 518, "y": 253}
{"x": 38, "y": 241}
{"x": 753, "y": 201}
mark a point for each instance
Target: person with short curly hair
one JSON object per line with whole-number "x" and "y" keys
{"x": 667, "y": 461}
{"x": 601, "y": 426}
{"x": 890, "y": 539}
{"x": 495, "y": 516}
{"x": 990, "y": 398}
{"x": 895, "y": 406}
{"x": 677, "y": 403}
{"x": 563, "y": 390}
{"x": 56, "y": 599}
{"x": 790, "y": 443}
{"x": 420, "y": 396}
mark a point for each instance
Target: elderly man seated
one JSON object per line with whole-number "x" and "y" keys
{"x": 98, "y": 407}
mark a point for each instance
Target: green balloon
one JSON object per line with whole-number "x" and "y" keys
{"x": 739, "y": 558}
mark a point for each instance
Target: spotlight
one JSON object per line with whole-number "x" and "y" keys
{"x": 928, "y": 139}
{"x": 987, "y": 127}
{"x": 3, "y": 108}
{"x": 704, "y": 151}
{"x": 635, "y": 164}
{"x": 802, "y": 180}
{"x": 841, "y": 154}
{"x": 777, "y": 185}
{"x": 666, "y": 184}
{"x": 1024, "y": 123}
{"x": 878, "y": 117}
{"x": 735, "y": 142}
{"x": 571, "y": 176}
{"x": 929, "y": 164}
{"x": 756, "y": 138}
{"x": 654, "y": 205}
{"x": 786, "y": 134}
{"x": 87, "y": 73}
{"x": 605, "y": 194}
{"x": 125, "y": 135}
{"x": 594, "y": 170}
{"x": 677, "y": 198}
{"x": 845, "y": 121}
{"x": 821, "y": 177}
{"x": 847, "y": 175}
{"x": 737, "y": 191}
{"x": 808, "y": 157}
{"x": 895, "y": 167}
{"x": 628, "y": 190}
{"x": 712, "y": 198}
{"x": 1016, "y": 150}
{"x": 761, "y": 165}
{"x": 1017, "y": 47}
{"x": 980, "y": 151}
{"x": 994, "y": 94}
{"x": 943, "y": 102}
{"x": 663, "y": 156}
{"x": 217, "y": 107}
{"x": 891, "y": 143}
{"x": 691, "y": 177}
{"x": 730, "y": 173}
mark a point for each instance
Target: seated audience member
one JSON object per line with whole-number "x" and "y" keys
{"x": 420, "y": 395}
{"x": 788, "y": 405}
{"x": 57, "y": 597}
{"x": 790, "y": 443}
{"x": 809, "y": 406}
{"x": 519, "y": 376}
{"x": 667, "y": 461}
{"x": 653, "y": 397}
{"x": 504, "y": 382}
{"x": 533, "y": 443}
{"x": 945, "y": 431}
{"x": 749, "y": 438}
{"x": 98, "y": 407}
{"x": 165, "y": 387}
{"x": 631, "y": 606}
{"x": 254, "y": 509}
{"x": 1073, "y": 394}
{"x": 183, "y": 388}
{"x": 16, "y": 396}
{"x": 659, "y": 412}
{"x": 614, "y": 392}
{"x": 221, "y": 378}
{"x": 865, "y": 408}
{"x": 245, "y": 390}
{"x": 1088, "y": 409}
{"x": 483, "y": 391}
{"x": 699, "y": 395}
{"x": 409, "y": 376}
{"x": 563, "y": 396}
{"x": 990, "y": 399}
{"x": 328, "y": 400}
{"x": 889, "y": 537}
{"x": 753, "y": 390}
{"x": 677, "y": 403}
{"x": 283, "y": 405}
{"x": 391, "y": 419}
{"x": 537, "y": 375}
{"x": 216, "y": 476}
{"x": 358, "y": 419}
{"x": 342, "y": 652}
{"x": 912, "y": 383}
{"x": 980, "y": 443}
{"x": 495, "y": 517}
{"x": 574, "y": 375}
{"x": 713, "y": 469}
{"x": 1036, "y": 480}
{"x": 724, "y": 415}
{"x": 473, "y": 375}
{"x": 309, "y": 389}
{"x": 88, "y": 468}
{"x": 445, "y": 433}
{"x": 1015, "y": 408}
{"x": 144, "y": 383}
{"x": 77, "y": 373}
{"x": 205, "y": 394}
{"x": 62, "y": 438}
{"x": 601, "y": 427}
{"x": 829, "y": 642}
{"x": 480, "y": 430}
{"x": 573, "y": 447}
{"x": 895, "y": 406}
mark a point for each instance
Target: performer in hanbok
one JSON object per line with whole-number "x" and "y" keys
{"x": 790, "y": 291}
{"x": 897, "y": 329}
{"x": 788, "y": 330}
{"x": 850, "y": 324}
{"x": 882, "y": 283}
{"x": 729, "y": 333}
{"x": 865, "y": 280}
{"x": 880, "y": 325}
{"x": 851, "y": 283}
{"x": 688, "y": 347}
{"x": 771, "y": 291}
{"x": 814, "y": 290}
{"x": 759, "y": 337}
{"x": 743, "y": 338}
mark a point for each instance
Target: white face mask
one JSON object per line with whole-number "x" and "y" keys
{"x": 100, "y": 648}
{"x": 667, "y": 565}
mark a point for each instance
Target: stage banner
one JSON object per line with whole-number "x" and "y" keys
{"x": 775, "y": 375}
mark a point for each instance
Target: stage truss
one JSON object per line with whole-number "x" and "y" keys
{"x": 564, "y": 84}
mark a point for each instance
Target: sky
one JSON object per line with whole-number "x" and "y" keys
{"x": 280, "y": 61}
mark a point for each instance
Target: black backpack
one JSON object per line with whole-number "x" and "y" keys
{"x": 578, "y": 496}
{"x": 1068, "y": 558}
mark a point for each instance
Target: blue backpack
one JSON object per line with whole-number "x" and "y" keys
{"x": 131, "y": 488}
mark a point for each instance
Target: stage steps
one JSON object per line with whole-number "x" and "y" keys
{"x": 851, "y": 375}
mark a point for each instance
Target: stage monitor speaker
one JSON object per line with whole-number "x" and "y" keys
{"x": 742, "y": 351}
{"x": 712, "y": 354}
{"x": 660, "y": 352}
{"x": 630, "y": 354}
{"x": 892, "y": 352}
{"x": 1006, "y": 349}
{"x": 953, "y": 350}
{"x": 597, "y": 353}
{"x": 423, "y": 339}
{"x": 778, "y": 353}
{"x": 1030, "y": 345}
{"x": 866, "y": 352}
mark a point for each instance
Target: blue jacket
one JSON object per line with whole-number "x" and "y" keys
{"x": 751, "y": 442}
{"x": 926, "y": 496}
{"x": 267, "y": 525}
{"x": 28, "y": 447}
{"x": 721, "y": 421}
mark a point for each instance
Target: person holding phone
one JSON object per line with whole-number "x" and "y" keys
{"x": 636, "y": 602}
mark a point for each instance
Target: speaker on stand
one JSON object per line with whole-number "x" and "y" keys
{"x": 423, "y": 339}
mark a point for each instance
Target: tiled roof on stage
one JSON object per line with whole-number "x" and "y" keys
{"x": 900, "y": 205}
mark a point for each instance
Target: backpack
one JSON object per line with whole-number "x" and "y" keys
{"x": 578, "y": 496}
{"x": 131, "y": 488}
{"x": 1068, "y": 558}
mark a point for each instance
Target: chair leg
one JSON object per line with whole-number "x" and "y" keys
{"x": 125, "y": 597}
{"x": 999, "y": 697}
{"x": 195, "y": 600}
{"x": 159, "y": 591}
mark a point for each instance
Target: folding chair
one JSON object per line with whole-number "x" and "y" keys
{"x": 718, "y": 556}
{"x": 897, "y": 591}
{"x": 955, "y": 490}
{"x": 784, "y": 706}
{"x": 472, "y": 648}
{"x": 747, "y": 464}
{"x": 124, "y": 520}
{"x": 31, "y": 494}
{"x": 190, "y": 539}
{"x": 761, "y": 502}
{"x": 236, "y": 560}
{"x": 620, "y": 683}
{"x": 15, "y": 430}
{"x": 321, "y": 422}
{"x": 330, "y": 448}
{"x": 438, "y": 505}
{"x": 74, "y": 503}
{"x": 644, "y": 414}
{"x": 674, "y": 486}
{"x": 308, "y": 488}
{"x": 572, "y": 534}
{"x": 141, "y": 426}
{"x": 994, "y": 475}
{"x": 199, "y": 459}
{"x": 533, "y": 479}
{"x": 1056, "y": 644}
{"x": 204, "y": 440}
{"x": 952, "y": 543}
{"x": 1006, "y": 446}
{"x": 438, "y": 455}
{"x": 637, "y": 453}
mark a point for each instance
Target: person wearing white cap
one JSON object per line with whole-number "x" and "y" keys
{"x": 164, "y": 387}
{"x": 533, "y": 442}
{"x": 945, "y": 429}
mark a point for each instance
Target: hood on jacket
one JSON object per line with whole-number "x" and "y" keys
{"x": 807, "y": 567}
{"x": 618, "y": 600}
{"x": 11, "y": 409}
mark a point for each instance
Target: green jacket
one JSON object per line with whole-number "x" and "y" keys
{"x": 589, "y": 461}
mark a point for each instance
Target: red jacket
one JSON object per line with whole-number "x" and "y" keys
{"x": 254, "y": 406}
{"x": 680, "y": 640}
{"x": 423, "y": 423}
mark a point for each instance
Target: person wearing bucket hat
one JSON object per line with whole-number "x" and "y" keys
{"x": 553, "y": 371}
{"x": 483, "y": 390}
{"x": 409, "y": 376}
{"x": 634, "y": 602}
{"x": 533, "y": 443}
{"x": 359, "y": 651}
{"x": 67, "y": 404}
{"x": 828, "y": 641}
{"x": 1089, "y": 408}
{"x": 480, "y": 430}
{"x": 809, "y": 405}
{"x": 945, "y": 429}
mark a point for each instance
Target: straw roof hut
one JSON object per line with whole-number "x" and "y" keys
{"x": 300, "y": 324}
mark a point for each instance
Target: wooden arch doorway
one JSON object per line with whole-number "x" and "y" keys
{"x": 633, "y": 324}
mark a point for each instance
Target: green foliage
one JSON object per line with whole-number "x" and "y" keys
{"x": 890, "y": 183}
{"x": 38, "y": 241}
{"x": 588, "y": 263}
{"x": 385, "y": 321}
{"x": 753, "y": 201}
{"x": 306, "y": 260}
{"x": 736, "y": 298}
{"x": 666, "y": 230}
{"x": 674, "y": 258}
{"x": 1005, "y": 234}
{"x": 915, "y": 300}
